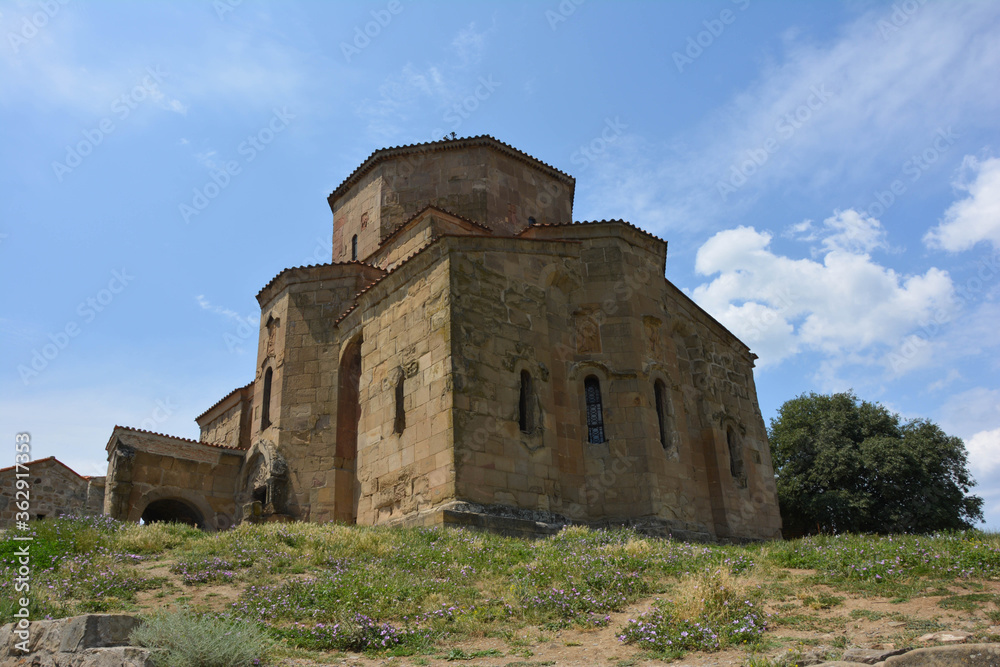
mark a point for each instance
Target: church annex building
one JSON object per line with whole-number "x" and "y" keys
{"x": 471, "y": 356}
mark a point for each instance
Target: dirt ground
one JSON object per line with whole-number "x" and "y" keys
{"x": 881, "y": 623}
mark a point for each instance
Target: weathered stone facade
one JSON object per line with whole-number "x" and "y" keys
{"x": 483, "y": 361}
{"x": 53, "y": 489}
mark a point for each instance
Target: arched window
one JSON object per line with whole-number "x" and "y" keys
{"x": 662, "y": 415}
{"x": 265, "y": 408}
{"x": 354, "y": 247}
{"x": 526, "y": 404}
{"x": 595, "y": 411}
{"x": 736, "y": 458}
{"x": 400, "y": 422}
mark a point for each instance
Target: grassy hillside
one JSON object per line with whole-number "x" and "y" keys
{"x": 313, "y": 591}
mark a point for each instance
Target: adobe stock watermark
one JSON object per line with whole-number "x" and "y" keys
{"x": 163, "y": 410}
{"x": 778, "y": 304}
{"x": 32, "y": 24}
{"x": 363, "y": 35}
{"x": 562, "y": 12}
{"x": 461, "y": 111}
{"x": 696, "y": 44}
{"x": 245, "y": 329}
{"x": 987, "y": 270}
{"x": 902, "y": 13}
{"x": 223, "y": 7}
{"x": 121, "y": 108}
{"x": 20, "y": 563}
{"x": 598, "y": 146}
{"x": 911, "y": 171}
{"x": 221, "y": 177}
{"x": 785, "y": 128}
{"x": 87, "y": 311}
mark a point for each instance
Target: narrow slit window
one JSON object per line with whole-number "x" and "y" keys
{"x": 526, "y": 416}
{"x": 660, "y": 396}
{"x": 354, "y": 247}
{"x": 265, "y": 408}
{"x": 400, "y": 422}
{"x": 736, "y": 467}
{"x": 595, "y": 411}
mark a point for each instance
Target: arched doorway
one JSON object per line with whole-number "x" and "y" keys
{"x": 172, "y": 510}
{"x": 348, "y": 413}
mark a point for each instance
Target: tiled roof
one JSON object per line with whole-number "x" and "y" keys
{"x": 592, "y": 222}
{"x": 432, "y": 241}
{"x": 173, "y": 437}
{"x": 444, "y": 144}
{"x": 422, "y": 211}
{"x": 223, "y": 399}
{"x": 47, "y": 458}
{"x": 311, "y": 266}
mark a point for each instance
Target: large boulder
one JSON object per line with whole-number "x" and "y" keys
{"x": 92, "y": 640}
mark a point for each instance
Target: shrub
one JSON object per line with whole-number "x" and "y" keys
{"x": 182, "y": 639}
{"x": 714, "y": 609}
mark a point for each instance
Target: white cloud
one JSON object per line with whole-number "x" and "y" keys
{"x": 56, "y": 69}
{"x": 853, "y": 232}
{"x": 984, "y": 453}
{"x": 975, "y": 218}
{"x": 845, "y": 306}
{"x": 434, "y": 88}
{"x": 971, "y": 412}
{"x": 205, "y": 304}
{"x": 873, "y": 109}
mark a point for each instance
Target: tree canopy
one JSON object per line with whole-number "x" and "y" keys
{"x": 845, "y": 465}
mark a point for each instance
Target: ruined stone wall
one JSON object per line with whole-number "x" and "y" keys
{"x": 406, "y": 338}
{"x": 54, "y": 489}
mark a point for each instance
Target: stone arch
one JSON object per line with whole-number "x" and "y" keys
{"x": 263, "y": 478}
{"x": 348, "y": 490}
{"x": 196, "y": 504}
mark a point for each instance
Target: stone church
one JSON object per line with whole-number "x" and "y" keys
{"x": 471, "y": 356}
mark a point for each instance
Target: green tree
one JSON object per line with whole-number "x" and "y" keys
{"x": 845, "y": 465}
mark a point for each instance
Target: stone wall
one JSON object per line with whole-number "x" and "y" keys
{"x": 178, "y": 478}
{"x": 479, "y": 178}
{"x": 301, "y": 346}
{"x": 589, "y": 300}
{"x": 54, "y": 489}
{"x": 405, "y": 465}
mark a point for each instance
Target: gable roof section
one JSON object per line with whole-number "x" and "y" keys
{"x": 583, "y": 223}
{"x": 223, "y": 400}
{"x": 187, "y": 441}
{"x": 475, "y": 228}
{"x": 315, "y": 267}
{"x": 48, "y": 458}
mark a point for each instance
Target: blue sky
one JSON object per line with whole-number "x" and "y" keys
{"x": 827, "y": 176}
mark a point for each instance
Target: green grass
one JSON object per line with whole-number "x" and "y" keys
{"x": 408, "y": 592}
{"x": 970, "y": 602}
